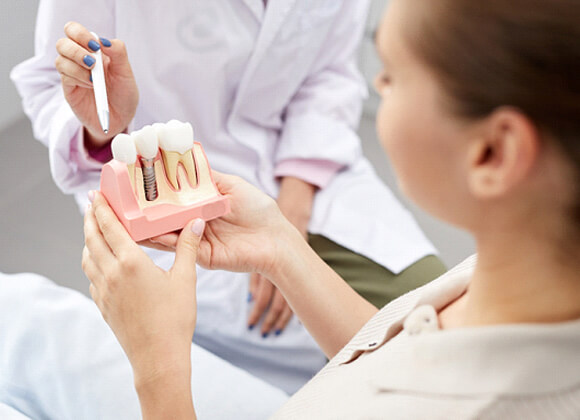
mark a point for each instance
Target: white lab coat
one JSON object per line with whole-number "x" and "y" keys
{"x": 259, "y": 88}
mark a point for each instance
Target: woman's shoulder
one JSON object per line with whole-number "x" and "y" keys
{"x": 388, "y": 322}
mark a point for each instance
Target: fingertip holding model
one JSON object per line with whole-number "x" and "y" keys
{"x": 198, "y": 226}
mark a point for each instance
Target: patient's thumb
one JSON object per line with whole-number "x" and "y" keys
{"x": 187, "y": 246}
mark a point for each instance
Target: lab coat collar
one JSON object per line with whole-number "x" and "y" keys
{"x": 257, "y": 8}
{"x": 274, "y": 17}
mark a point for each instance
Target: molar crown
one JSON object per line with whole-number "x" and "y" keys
{"x": 176, "y": 136}
{"x": 176, "y": 142}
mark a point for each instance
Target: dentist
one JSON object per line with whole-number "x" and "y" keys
{"x": 275, "y": 96}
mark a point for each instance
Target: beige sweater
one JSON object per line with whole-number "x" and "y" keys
{"x": 401, "y": 366}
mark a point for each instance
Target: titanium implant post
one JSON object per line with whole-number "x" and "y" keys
{"x": 149, "y": 181}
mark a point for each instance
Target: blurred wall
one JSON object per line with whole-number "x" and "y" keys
{"x": 16, "y": 44}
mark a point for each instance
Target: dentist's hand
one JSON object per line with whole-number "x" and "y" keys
{"x": 74, "y": 63}
{"x": 152, "y": 312}
{"x": 295, "y": 201}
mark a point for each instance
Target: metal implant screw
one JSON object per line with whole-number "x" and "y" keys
{"x": 149, "y": 180}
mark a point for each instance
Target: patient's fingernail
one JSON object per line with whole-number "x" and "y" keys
{"x": 91, "y": 195}
{"x": 250, "y": 296}
{"x": 105, "y": 42}
{"x": 94, "y": 45}
{"x": 197, "y": 227}
{"x": 278, "y": 332}
{"x": 264, "y": 335}
{"x": 251, "y": 327}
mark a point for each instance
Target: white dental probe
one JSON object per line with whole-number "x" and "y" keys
{"x": 100, "y": 89}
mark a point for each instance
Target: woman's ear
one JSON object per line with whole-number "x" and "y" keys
{"x": 501, "y": 158}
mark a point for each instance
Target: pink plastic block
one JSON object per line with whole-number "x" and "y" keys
{"x": 145, "y": 220}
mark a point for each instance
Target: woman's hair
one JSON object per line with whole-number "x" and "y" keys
{"x": 519, "y": 53}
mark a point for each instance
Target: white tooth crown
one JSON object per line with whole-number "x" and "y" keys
{"x": 123, "y": 148}
{"x": 159, "y": 129}
{"x": 176, "y": 137}
{"x": 146, "y": 142}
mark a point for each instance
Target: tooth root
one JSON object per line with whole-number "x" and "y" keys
{"x": 131, "y": 170}
{"x": 187, "y": 160}
{"x": 170, "y": 162}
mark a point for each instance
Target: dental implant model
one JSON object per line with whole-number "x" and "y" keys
{"x": 154, "y": 193}
{"x": 147, "y": 145}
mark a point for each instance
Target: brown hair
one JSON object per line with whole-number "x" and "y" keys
{"x": 520, "y": 53}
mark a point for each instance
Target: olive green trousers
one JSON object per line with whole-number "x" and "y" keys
{"x": 372, "y": 281}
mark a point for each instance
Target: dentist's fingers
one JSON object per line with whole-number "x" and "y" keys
{"x": 261, "y": 301}
{"x": 73, "y": 74}
{"x": 278, "y": 314}
{"x": 253, "y": 286}
{"x": 114, "y": 48}
{"x": 81, "y": 36}
{"x": 283, "y": 320}
{"x": 118, "y": 64}
{"x": 85, "y": 43}
{"x": 67, "y": 48}
{"x": 69, "y": 82}
{"x": 113, "y": 231}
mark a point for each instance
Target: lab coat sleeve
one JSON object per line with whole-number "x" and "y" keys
{"x": 314, "y": 171}
{"x": 322, "y": 117}
{"x": 38, "y": 82}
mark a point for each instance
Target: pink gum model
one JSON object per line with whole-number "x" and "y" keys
{"x": 173, "y": 209}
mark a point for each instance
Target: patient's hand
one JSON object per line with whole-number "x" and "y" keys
{"x": 151, "y": 311}
{"x": 251, "y": 238}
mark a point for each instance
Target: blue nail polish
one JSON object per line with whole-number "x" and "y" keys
{"x": 88, "y": 60}
{"x": 251, "y": 327}
{"x": 94, "y": 45}
{"x": 90, "y": 77}
{"x": 105, "y": 42}
{"x": 264, "y": 335}
{"x": 278, "y": 332}
{"x": 250, "y": 297}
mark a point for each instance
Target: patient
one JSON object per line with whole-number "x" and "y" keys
{"x": 481, "y": 117}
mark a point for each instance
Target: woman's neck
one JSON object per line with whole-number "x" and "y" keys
{"x": 518, "y": 279}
